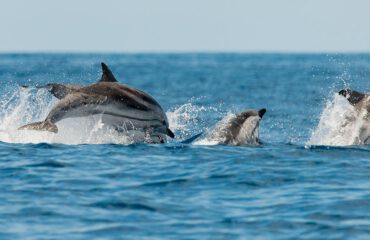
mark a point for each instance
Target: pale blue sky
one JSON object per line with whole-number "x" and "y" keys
{"x": 186, "y": 25}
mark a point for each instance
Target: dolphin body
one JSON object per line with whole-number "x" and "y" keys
{"x": 121, "y": 106}
{"x": 241, "y": 129}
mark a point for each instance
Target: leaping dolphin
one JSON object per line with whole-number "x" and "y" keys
{"x": 121, "y": 106}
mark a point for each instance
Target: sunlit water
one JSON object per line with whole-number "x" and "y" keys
{"x": 309, "y": 178}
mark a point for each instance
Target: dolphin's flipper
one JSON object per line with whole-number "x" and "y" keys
{"x": 41, "y": 126}
{"x": 170, "y": 133}
{"x": 107, "y": 75}
{"x": 58, "y": 90}
{"x": 192, "y": 139}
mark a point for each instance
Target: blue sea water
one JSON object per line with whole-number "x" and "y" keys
{"x": 307, "y": 180}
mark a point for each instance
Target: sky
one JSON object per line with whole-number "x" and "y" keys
{"x": 185, "y": 26}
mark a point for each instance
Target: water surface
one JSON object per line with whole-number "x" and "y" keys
{"x": 85, "y": 182}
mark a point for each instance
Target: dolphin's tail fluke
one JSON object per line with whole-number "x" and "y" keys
{"x": 170, "y": 133}
{"x": 192, "y": 139}
{"x": 46, "y": 125}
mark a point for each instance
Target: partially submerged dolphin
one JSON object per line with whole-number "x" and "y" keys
{"x": 357, "y": 99}
{"x": 239, "y": 129}
{"x": 361, "y": 102}
{"x": 121, "y": 106}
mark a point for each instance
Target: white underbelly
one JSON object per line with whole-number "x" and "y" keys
{"x": 130, "y": 123}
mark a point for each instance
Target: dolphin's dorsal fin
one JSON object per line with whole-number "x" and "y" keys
{"x": 107, "y": 75}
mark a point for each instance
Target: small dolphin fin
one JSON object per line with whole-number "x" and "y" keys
{"x": 107, "y": 75}
{"x": 262, "y": 112}
{"x": 191, "y": 139}
{"x": 46, "y": 125}
{"x": 170, "y": 133}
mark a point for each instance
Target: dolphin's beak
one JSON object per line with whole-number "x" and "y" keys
{"x": 262, "y": 112}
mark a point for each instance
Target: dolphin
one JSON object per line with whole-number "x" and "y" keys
{"x": 361, "y": 102}
{"x": 121, "y": 106}
{"x": 241, "y": 129}
{"x": 357, "y": 99}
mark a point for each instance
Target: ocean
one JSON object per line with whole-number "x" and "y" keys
{"x": 307, "y": 180}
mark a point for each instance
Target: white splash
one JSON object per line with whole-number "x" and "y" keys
{"x": 186, "y": 119}
{"x": 340, "y": 125}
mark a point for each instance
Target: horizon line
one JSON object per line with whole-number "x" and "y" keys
{"x": 154, "y": 52}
